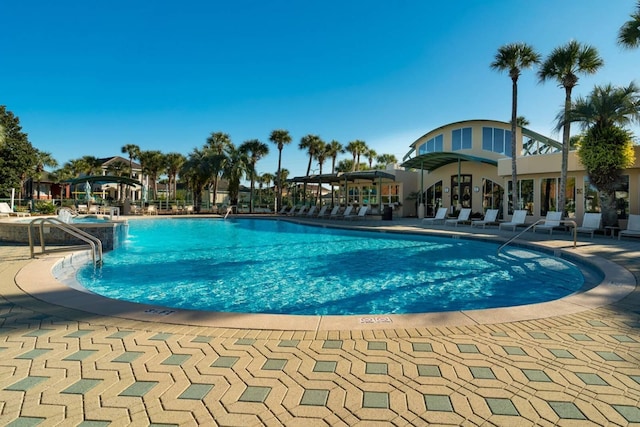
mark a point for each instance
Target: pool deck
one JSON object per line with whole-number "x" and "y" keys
{"x": 68, "y": 358}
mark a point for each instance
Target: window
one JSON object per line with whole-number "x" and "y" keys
{"x": 433, "y": 198}
{"x": 492, "y": 195}
{"x": 433, "y": 145}
{"x": 592, "y": 197}
{"x": 549, "y": 190}
{"x": 496, "y": 140}
{"x": 461, "y": 139}
{"x": 390, "y": 193}
{"x": 525, "y": 196}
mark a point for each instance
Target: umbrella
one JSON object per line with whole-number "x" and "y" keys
{"x": 145, "y": 190}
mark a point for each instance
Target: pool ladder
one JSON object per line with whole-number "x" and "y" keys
{"x": 540, "y": 221}
{"x": 95, "y": 244}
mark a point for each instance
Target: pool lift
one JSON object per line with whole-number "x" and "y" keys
{"x": 95, "y": 244}
{"x": 569, "y": 222}
{"x": 229, "y": 210}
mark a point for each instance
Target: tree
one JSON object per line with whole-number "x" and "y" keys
{"x": 371, "y": 155}
{"x": 133, "y": 151}
{"x": 562, "y": 65}
{"x": 216, "y": 148}
{"x": 119, "y": 168}
{"x": 356, "y": 148}
{"x": 514, "y": 57}
{"x": 605, "y": 148}
{"x": 311, "y": 143}
{"x": 173, "y": 163}
{"x": 152, "y": 162}
{"x": 255, "y": 150}
{"x": 334, "y": 148}
{"x": 196, "y": 170}
{"x": 17, "y": 155}
{"x": 320, "y": 156}
{"x": 237, "y": 167}
{"x": 385, "y": 159}
{"x": 43, "y": 159}
{"x": 629, "y": 33}
{"x": 280, "y": 138}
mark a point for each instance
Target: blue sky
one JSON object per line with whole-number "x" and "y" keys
{"x": 87, "y": 77}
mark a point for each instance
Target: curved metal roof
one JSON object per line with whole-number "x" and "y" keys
{"x": 433, "y": 161}
{"x": 340, "y": 177}
{"x": 104, "y": 179}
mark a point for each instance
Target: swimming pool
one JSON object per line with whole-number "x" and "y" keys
{"x": 270, "y": 266}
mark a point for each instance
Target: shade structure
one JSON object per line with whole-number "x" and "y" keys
{"x": 103, "y": 179}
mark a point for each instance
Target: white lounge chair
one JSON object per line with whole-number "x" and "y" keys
{"x": 441, "y": 214}
{"x": 590, "y": 223}
{"x": 302, "y": 211}
{"x": 346, "y": 212}
{"x": 463, "y": 216}
{"x": 334, "y": 212}
{"x": 323, "y": 211}
{"x": 360, "y": 215}
{"x": 518, "y": 218}
{"x": 633, "y": 227}
{"x": 490, "y": 217}
{"x": 6, "y": 210}
{"x": 311, "y": 212}
{"x": 551, "y": 221}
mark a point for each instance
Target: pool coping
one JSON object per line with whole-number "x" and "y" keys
{"x": 42, "y": 280}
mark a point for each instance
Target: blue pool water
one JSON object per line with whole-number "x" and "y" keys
{"x": 269, "y": 266}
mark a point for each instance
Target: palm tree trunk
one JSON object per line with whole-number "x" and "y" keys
{"x": 566, "y": 130}
{"x": 514, "y": 163}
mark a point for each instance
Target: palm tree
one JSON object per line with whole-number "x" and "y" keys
{"x": 320, "y": 156}
{"x": 237, "y": 166}
{"x": 562, "y": 65}
{"x": 152, "y": 162}
{"x": 361, "y": 148}
{"x": 371, "y": 155}
{"x": 311, "y": 143}
{"x": 216, "y": 146}
{"x": 606, "y": 147}
{"x": 522, "y": 121}
{"x": 43, "y": 159}
{"x": 173, "y": 164}
{"x": 266, "y": 178}
{"x": 119, "y": 168}
{"x": 334, "y": 148}
{"x": 514, "y": 57}
{"x": 385, "y": 159}
{"x": 629, "y": 34}
{"x": 133, "y": 151}
{"x": 280, "y": 137}
{"x": 255, "y": 150}
{"x": 196, "y": 170}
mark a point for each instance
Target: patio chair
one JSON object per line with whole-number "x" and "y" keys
{"x": 151, "y": 210}
{"x": 441, "y": 214}
{"x": 463, "y": 216}
{"x": 311, "y": 212}
{"x": 323, "y": 211}
{"x": 633, "y": 227}
{"x": 6, "y": 210}
{"x": 346, "y": 212}
{"x": 291, "y": 211}
{"x": 518, "y": 218}
{"x": 360, "y": 215}
{"x": 334, "y": 212}
{"x": 302, "y": 211}
{"x": 490, "y": 218}
{"x": 551, "y": 222}
{"x": 590, "y": 223}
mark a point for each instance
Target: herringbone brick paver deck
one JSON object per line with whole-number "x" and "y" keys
{"x": 66, "y": 367}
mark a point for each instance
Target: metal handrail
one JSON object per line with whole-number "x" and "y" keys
{"x": 563, "y": 221}
{"x": 94, "y": 243}
{"x": 229, "y": 210}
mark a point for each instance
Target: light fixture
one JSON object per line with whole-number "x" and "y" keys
{"x": 446, "y": 189}
{"x": 476, "y": 189}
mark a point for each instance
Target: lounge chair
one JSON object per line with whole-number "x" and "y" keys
{"x": 441, "y": 214}
{"x": 334, "y": 212}
{"x": 463, "y": 216}
{"x": 291, "y": 211}
{"x": 590, "y": 223}
{"x": 346, "y": 212}
{"x": 6, "y": 210}
{"x": 283, "y": 211}
{"x": 83, "y": 209}
{"x": 323, "y": 211}
{"x": 633, "y": 227}
{"x": 551, "y": 221}
{"x": 151, "y": 210}
{"x": 93, "y": 209}
{"x": 518, "y": 218}
{"x": 360, "y": 215}
{"x": 302, "y": 211}
{"x": 490, "y": 218}
{"x": 311, "y": 212}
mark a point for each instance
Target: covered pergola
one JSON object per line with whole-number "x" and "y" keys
{"x": 104, "y": 179}
{"x": 432, "y": 161}
{"x": 344, "y": 178}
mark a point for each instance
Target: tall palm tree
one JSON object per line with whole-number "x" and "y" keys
{"x": 152, "y": 164}
{"x": 280, "y": 138}
{"x": 385, "y": 159}
{"x": 266, "y": 179}
{"x": 334, "y": 148}
{"x": 311, "y": 143}
{"x": 238, "y": 166}
{"x": 514, "y": 57}
{"x": 255, "y": 150}
{"x": 173, "y": 163}
{"x": 43, "y": 159}
{"x": 371, "y": 155}
{"x": 196, "y": 170}
{"x": 216, "y": 146}
{"x": 562, "y": 65}
{"x": 606, "y": 147}
{"x": 133, "y": 151}
{"x": 320, "y": 156}
{"x": 629, "y": 33}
